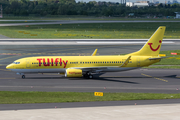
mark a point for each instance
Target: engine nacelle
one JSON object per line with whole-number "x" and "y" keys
{"x": 73, "y": 73}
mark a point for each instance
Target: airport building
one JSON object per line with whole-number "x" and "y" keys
{"x": 138, "y": 4}
{"x": 177, "y": 14}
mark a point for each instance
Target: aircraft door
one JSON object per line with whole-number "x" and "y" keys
{"x": 28, "y": 63}
{"x": 138, "y": 62}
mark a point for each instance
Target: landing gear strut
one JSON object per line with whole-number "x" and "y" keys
{"x": 23, "y": 76}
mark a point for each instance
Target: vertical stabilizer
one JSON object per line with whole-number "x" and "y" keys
{"x": 153, "y": 45}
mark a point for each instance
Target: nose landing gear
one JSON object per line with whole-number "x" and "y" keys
{"x": 23, "y": 76}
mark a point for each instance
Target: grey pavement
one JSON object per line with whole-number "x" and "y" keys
{"x": 82, "y": 21}
{"x": 81, "y": 41}
{"x": 132, "y": 112}
{"x": 137, "y": 81}
{"x": 86, "y": 104}
{"x": 3, "y": 37}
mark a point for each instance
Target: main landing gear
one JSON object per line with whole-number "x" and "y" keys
{"x": 88, "y": 75}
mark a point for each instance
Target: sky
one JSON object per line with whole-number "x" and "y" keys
{"x": 163, "y": 1}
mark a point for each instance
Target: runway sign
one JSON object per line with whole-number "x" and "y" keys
{"x": 162, "y": 55}
{"x": 98, "y": 93}
{"x": 175, "y": 53}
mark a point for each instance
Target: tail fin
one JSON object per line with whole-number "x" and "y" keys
{"x": 153, "y": 45}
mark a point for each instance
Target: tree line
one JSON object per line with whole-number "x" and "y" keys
{"x": 70, "y": 7}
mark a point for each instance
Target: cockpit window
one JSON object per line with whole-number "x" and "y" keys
{"x": 16, "y": 62}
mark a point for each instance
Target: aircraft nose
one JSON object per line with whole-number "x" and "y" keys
{"x": 10, "y": 66}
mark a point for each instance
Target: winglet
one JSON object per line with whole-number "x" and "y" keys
{"x": 94, "y": 53}
{"x": 126, "y": 62}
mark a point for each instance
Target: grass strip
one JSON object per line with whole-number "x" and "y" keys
{"x": 171, "y": 60}
{"x": 11, "y": 97}
{"x": 93, "y": 30}
{"x": 164, "y": 67}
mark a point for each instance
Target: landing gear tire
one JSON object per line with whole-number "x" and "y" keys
{"x": 90, "y": 76}
{"x": 23, "y": 76}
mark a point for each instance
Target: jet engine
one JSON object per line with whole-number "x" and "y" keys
{"x": 73, "y": 73}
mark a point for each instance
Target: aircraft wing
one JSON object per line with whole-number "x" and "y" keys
{"x": 91, "y": 69}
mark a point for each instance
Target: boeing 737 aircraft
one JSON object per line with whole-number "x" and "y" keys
{"x": 78, "y": 66}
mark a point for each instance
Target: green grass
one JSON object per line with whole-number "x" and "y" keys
{"x": 171, "y": 60}
{"x": 92, "y": 31}
{"x": 164, "y": 67}
{"x": 8, "y": 97}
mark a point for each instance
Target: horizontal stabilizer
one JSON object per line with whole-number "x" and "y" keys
{"x": 156, "y": 58}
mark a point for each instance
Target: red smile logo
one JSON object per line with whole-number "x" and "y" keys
{"x": 150, "y": 44}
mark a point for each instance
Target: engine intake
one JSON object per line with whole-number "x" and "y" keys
{"x": 73, "y": 73}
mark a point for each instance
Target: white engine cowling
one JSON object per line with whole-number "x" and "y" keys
{"x": 73, "y": 73}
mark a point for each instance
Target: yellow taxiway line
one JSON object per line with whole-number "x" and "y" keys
{"x": 154, "y": 77}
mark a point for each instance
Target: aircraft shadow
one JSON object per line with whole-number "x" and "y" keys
{"x": 94, "y": 79}
{"x": 110, "y": 80}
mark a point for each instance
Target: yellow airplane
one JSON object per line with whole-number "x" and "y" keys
{"x": 78, "y": 66}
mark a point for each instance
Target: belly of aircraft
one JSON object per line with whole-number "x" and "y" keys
{"x": 112, "y": 69}
{"x": 38, "y": 70}
{"x": 109, "y": 69}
